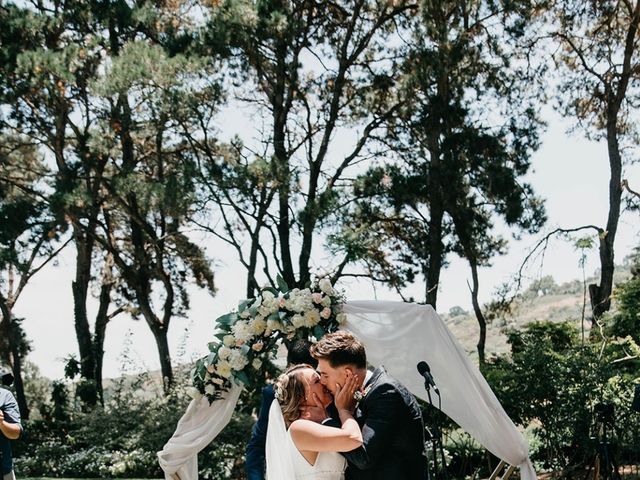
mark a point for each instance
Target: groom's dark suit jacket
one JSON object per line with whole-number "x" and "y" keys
{"x": 392, "y": 432}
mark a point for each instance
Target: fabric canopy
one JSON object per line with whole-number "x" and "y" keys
{"x": 397, "y": 335}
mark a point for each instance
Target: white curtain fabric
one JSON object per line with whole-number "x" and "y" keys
{"x": 397, "y": 335}
{"x": 200, "y": 424}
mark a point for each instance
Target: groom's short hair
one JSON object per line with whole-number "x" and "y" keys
{"x": 339, "y": 349}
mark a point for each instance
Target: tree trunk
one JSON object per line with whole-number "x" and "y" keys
{"x": 482, "y": 339}
{"x": 160, "y": 334}
{"x": 436, "y": 215}
{"x": 80, "y": 287}
{"x": 435, "y": 258}
{"x": 102, "y": 319}
{"x": 600, "y": 295}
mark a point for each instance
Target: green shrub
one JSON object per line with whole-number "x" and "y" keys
{"x": 120, "y": 440}
{"x": 552, "y": 383}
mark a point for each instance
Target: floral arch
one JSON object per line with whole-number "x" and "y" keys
{"x": 395, "y": 334}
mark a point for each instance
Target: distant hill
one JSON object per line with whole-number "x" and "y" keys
{"x": 543, "y": 300}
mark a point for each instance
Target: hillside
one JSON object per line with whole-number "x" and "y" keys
{"x": 542, "y": 301}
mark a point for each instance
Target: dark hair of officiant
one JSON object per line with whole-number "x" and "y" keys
{"x": 299, "y": 351}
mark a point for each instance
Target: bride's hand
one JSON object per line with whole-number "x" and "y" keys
{"x": 344, "y": 394}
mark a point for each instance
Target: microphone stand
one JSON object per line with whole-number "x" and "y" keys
{"x": 436, "y": 440}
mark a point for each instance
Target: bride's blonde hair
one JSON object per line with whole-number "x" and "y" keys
{"x": 290, "y": 392}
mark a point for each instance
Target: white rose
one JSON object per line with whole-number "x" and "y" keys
{"x": 228, "y": 340}
{"x": 223, "y": 368}
{"x": 194, "y": 393}
{"x": 341, "y": 318}
{"x": 311, "y": 318}
{"x": 256, "y": 364}
{"x": 292, "y": 304}
{"x": 326, "y": 301}
{"x": 267, "y": 295}
{"x": 242, "y": 332}
{"x": 257, "y": 326}
{"x": 325, "y": 313}
{"x": 245, "y": 314}
{"x": 298, "y": 321}
{"x": 238, "y": 360}
{"x": 209, "y": 389}
{"x": 325, "y": 286}
{"x": 224, "y": 353}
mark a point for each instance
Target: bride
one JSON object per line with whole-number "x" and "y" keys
{"x": 299, "y": 448}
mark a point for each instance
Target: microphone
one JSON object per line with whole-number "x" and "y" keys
{"x": 425, "y": 371}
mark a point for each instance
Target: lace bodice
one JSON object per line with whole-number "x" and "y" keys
{"x": 328, "y": 465}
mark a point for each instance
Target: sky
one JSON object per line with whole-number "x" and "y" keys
{"x": 570, "y": 173}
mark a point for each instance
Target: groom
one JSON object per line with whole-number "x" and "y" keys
{"x": 389, "y": 416}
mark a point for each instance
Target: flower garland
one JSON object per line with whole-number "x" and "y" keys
{"x": 250, "y": 335}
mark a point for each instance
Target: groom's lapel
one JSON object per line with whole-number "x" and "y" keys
{"x": 361, "y": 409}
{"x": 374, "y": 378}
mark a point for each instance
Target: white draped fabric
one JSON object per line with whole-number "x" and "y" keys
{"x": 200, "y": 424}
{"x": 397, "y": 335}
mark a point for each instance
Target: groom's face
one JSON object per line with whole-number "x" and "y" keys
{"x": 330, "y": 376}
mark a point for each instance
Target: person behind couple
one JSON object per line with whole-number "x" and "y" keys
{"x": 297, "y": 353}
{"x": 317, "y": 445}
{"x": 388, "y": 415}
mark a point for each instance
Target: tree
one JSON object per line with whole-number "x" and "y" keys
{"x": 55, "y": 55}
{"x": 29, "y": 239}
{"x": 597, "y": 56}
{"x": 306, "y": 69}
{"x": 150, "y": 188}
{"x": 51, "y": 56}
{"x": 463, "y": 142}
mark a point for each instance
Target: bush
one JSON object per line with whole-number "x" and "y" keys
{"x": 552, "y": 383}
{"x": 120, "y": 440}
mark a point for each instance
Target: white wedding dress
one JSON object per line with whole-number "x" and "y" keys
{"x": 284, "y": 460}
{"x": 328, "y": 465}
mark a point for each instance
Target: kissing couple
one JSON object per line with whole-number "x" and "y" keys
{"x": 374, "y": 431}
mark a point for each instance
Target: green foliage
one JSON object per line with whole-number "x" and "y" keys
{"x": 541, "y": 286}
{"x": 552, "y": 383}
{"x": 37, "y": 390}
{"x": 462, "y": 142}
{"x": 627, "y": 319}
{"x": 120, "y": 440}
{"x": 457, "y": 311}
{"x": 465, "y": 455}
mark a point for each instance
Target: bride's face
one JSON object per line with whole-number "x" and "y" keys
{"x": 313, "y": 385}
